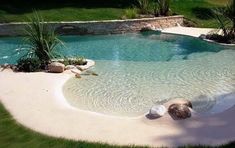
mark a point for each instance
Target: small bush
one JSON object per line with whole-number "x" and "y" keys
{"x": 164, "y": 7}
{"x": 229, "y": 39}
{"x": 130, "y": 13}
{"x": 156, "y": 7}
{"x": 75, "y": 61}
{"x": 226, "y": 20}
{"x": 41, "y": 39}
{"x": 145, "y": 6}
{"x": 28, "y": 64}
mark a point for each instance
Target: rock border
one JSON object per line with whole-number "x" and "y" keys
{"x": 96, "y": 27}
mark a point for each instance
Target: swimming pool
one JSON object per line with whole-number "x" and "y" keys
{"x": 139, "y": 70}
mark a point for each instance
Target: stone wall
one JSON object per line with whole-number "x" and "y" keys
{"x": 97, "y": 27}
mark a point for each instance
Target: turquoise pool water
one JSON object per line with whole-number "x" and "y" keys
{"x": 148, "y": 46}
{"x": 139, "y": 70}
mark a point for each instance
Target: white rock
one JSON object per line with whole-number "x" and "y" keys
{"x": 157, "y": 110}
{"x": 75, "y": 71}
{"x": 68, "y": 67}
{"x": 89, "y": 64}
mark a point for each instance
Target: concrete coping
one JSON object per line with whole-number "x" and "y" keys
{"x": 102, "y": 21}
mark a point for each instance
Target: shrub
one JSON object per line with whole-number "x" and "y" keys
{"x": 130, "y": 13}
{"x": 229, "y": 39}
{"x": 156, "y": 7}
{"x": 75, "y": 61}
{"x": 41, "y": 40}
{"x": 28, "y": 64}
{"x": 162, "y": 7}
{"x": 145, "y": 6}
{"x": 226, "y": 19}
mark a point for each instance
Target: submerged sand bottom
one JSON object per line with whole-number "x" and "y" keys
{"x": 131, "y": 88}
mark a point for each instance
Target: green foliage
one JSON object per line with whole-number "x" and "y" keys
{"x": 65, "y": 13}
{"x": 196, "y": 10}
{"x": 42, "y": 41}
{"x": 225, "y": 18}
{"x": 28, "y": 64}
{"x": 162, "y": 8}
{"x": 218, "y": 14}
{"x": 156, "y": 7}
{"x": 230, "y": 14}
{"x": 75, "y": 61}
{"x": 130, "y": 13}
{"x": 145, "y": 6}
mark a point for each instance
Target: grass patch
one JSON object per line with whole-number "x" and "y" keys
{"x": 198, "y": 10}
{"x": 80, "y": 10}
{"x": 14, "y": 135}
{"x": 67, "y": 14}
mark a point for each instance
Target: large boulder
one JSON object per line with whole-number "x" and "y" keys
{"x": 157, "y": 111}
{"x": 56, "y": 67}
{"x": 178, "y": 101}
{"x": 179, "y": 111}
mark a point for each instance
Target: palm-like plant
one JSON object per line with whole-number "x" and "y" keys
{"x": 160, "y": 7}
{"x": 230, "y": 13}
{"x": 144, "y": 6}
{"x": 164, "y": 7}
{"x": 226, "y": 18}
{"x": 223, "y": 22}
{"x": 42, "y": 41}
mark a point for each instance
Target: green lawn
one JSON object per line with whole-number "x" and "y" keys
{"x": 195, "y": 10}
{"x": 14, "y": 135}
{"x": 198, "y": 10}
{"x": 67, "y": 14}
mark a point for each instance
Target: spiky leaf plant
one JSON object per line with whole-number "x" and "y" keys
{"x": 226, "y": 18}
{"x": 42, "y": 40}
{"x": 164, "y": 7}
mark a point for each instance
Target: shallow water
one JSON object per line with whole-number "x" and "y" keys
{"x": 130, "y": 88}
{"x": 139, "y": 70}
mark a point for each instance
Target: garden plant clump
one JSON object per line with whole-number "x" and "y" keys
{"x": 42, "y": 42}
{"x": 226, "y": 20}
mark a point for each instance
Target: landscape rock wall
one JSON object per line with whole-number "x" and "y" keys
{"x": 97, "y": 27}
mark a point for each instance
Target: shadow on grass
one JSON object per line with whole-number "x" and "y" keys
{"x": 202, "y": 13}
{"x": 25, "y": 6}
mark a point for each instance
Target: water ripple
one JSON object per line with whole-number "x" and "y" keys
{"x": 131, "y": 88}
